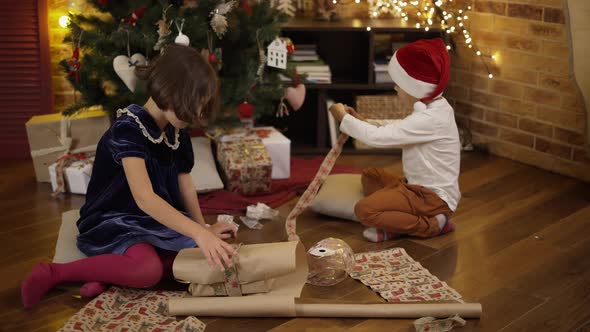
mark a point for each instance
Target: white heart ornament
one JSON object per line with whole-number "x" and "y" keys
{"x": 295, "y": 96}
{"x": 125, "y": 68}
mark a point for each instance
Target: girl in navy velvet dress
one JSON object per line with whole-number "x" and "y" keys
{"x": 141, "y": 205}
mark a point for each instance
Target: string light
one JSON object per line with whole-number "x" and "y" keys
{"x": 64, "y": 21}
{"x": 430, "y": 14}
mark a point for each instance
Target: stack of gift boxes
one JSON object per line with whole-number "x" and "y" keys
{"x": 62, "y": 150}
{"x": 64, "y": 146}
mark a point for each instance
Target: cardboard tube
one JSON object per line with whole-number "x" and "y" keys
{"x": 390, "y": 310}
{"x": 284, "y": 306}
{"x": 242, "y": 306}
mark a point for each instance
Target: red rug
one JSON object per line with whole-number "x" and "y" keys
{"x": 302, "y": 172}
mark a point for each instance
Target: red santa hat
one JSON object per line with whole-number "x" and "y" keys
{"x": 422, "y": 68}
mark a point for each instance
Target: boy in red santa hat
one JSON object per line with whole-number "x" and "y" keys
{"x": 421, "y": 205}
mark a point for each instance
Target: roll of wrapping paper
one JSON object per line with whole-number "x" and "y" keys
{"x": 286, "y": 306}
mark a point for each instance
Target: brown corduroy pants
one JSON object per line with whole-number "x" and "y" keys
{"x": 395, "y": 206}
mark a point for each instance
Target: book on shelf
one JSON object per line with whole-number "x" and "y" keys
{"x": 312, "y": 69}
{"x": 383, "y": 77}
{"x": 304, "y": 57}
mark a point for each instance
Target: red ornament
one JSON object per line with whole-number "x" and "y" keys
{"x": 212, "y": 58}
{"x": 290, "y": 49}
{"x": 103, "y": 2}
{"x": 245, "y": 5}
{"x": 245, "y": 110}
{"x": 135, "y": 16}
{"x": 74, "y": 64}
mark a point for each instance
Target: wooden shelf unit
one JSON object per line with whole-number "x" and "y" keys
{"x": 349, "y": 48}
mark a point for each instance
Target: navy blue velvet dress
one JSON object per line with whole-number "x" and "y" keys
{"x": 110, "y": 220}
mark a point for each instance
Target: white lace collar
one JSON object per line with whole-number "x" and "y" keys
{"x": 163, "y": 136}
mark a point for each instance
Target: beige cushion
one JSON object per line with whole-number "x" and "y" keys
{"x": 65, "y": 249}
{"x": 205, "y": 175}
{"x": 338, "y": 196}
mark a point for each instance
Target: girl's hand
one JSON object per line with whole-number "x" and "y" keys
{"x": 215, "y": 249}
{"x": 224, "y": 230}
{"x": 338, "y": 111}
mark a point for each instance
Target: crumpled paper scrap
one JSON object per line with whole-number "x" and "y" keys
{"x": 227, "y": 219}
{"x": 257, "y": 212}
{"x": 431, "y": 324}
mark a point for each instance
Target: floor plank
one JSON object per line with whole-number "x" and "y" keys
{"x": 521, "y": 249}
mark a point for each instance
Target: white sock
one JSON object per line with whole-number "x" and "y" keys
{"x": 377, "y": 235}
{"x": 442, "y": 219}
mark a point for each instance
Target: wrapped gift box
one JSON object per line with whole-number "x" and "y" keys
{"x": 76, "y": 176}
{"x": 49, "y": 135}
{"x": 279, "y": 149}
{"x": 246, "y": 165}
{"x": 278, "y": 146}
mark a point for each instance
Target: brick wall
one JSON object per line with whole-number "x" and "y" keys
{"x": 62, "y": 90}
{"x": 531, "y": 111}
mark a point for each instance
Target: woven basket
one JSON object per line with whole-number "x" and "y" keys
{"x": 380, "y": 107}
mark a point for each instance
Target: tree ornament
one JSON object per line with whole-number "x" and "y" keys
{"x": 218, "y": 19}
{"x": 124, "y": 66}
{"x": 181, "y": 39}
{"x": 290, "y": 45}
{"x": 286, "y": 6}
{"x": 261, "y": 57}
{"x": 74, "y": 62}
{"x": 163, "y": 29}
{"x": 295, "y": 96}
{"x": 135, "y": 16}
{"x": 74, "y": 65}
{"x": 245, "y": 5}
{"x": 246, "y": 114}
{"x": 277, "y": 54}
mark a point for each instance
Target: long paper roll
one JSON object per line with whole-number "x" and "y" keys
{"x": 285, "y": 306}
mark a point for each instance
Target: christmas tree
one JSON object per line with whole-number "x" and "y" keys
{"x": 233, "y": 36}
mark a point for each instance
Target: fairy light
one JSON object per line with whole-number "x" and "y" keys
{"x": 427, "y": 14}
{"x": 64, "y": 21}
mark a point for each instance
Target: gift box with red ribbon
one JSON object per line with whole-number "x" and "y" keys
{"x": 71, "y": 173}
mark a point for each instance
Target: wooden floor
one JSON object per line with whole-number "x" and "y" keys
{"x": 522, "y": 249}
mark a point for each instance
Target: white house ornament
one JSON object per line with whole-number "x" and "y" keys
{"x": 277, "y": 54}
{"x": 125, "y": 68}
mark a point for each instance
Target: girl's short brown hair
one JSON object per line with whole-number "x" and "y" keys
{"x": 182, "y": 81}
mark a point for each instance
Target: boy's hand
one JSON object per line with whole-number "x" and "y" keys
{"x": 338, "y": 111}
{"x": 354, "y": 113}
{"x": 224, "y": 230}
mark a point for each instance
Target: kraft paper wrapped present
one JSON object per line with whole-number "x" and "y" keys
{"x": 52, "y": 135}
{"x": 76, "y": 176}
{"x": 246, "y": 165}
{"x": 256, "y": 268}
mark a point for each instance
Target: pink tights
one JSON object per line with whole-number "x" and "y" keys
{"x": 139, "y": 267}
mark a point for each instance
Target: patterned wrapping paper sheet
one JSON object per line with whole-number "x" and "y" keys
{"x": 130, "y": 310}
{"x": 398, "y": 278}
